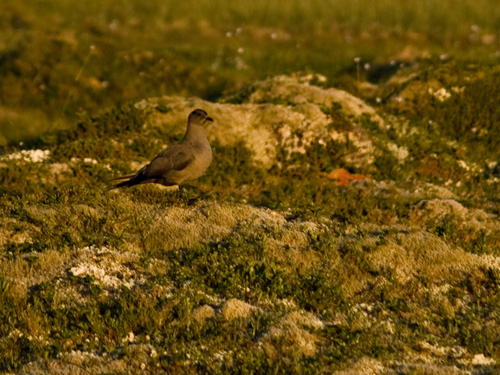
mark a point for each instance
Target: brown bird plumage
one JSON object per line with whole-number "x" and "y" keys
{"x": 178, "y": 163}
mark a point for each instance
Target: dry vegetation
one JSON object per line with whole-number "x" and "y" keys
{"x": 270, "y": 263}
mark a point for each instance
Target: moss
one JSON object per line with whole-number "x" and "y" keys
{"x": 471, "y": 116}
{"x": 257, "y": 267}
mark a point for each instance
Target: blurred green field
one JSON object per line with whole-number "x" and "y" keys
{"x": 60, "y": 59}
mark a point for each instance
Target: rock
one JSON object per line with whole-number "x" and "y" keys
{"x": 299, "y": 118}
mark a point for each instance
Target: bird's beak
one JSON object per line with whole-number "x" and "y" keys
{"x": 208, "y": 118}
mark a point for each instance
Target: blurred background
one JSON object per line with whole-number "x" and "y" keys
{"x": 63, "y": 59}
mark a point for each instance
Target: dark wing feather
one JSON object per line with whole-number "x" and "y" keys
{"x": 175, "y": 157}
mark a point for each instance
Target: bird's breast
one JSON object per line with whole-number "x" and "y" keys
{"x": 203, "y": 156}
{"x": 201, "y": 161}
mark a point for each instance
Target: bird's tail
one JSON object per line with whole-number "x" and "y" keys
{"x": 130, "y": 181}
{"x": 121, "y": 184}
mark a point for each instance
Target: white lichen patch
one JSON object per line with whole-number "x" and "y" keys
{"x": 488, "y": 261}
{"x": 442, "y": 94}
{"x": 221, "y": 355}
{"x": 78, "y": 356}
{"x": 429, "y": 352}
{"x": 130, "y": 338}
{"x": 107, "y": 267}
{"x": 401, "y": 153}
{"x": 481, "y": 360}
{"x": 469, "y": 167}
{"x": 30, "y": 156}
{"x": 76, "y": 163}
{"x": 101, "y": 275}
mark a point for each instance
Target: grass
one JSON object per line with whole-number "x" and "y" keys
{"x": 336, "y": 275}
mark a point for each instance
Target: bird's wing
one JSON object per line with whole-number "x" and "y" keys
{"x": 175, "y": 157}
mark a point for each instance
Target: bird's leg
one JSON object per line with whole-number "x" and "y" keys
{"x": 191, "y": 193}
{"x": 181, "y": 191}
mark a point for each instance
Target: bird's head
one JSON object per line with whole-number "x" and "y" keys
{"x": 199, "y": 117}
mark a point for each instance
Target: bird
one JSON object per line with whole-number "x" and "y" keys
{"x": 178, "y": 163}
